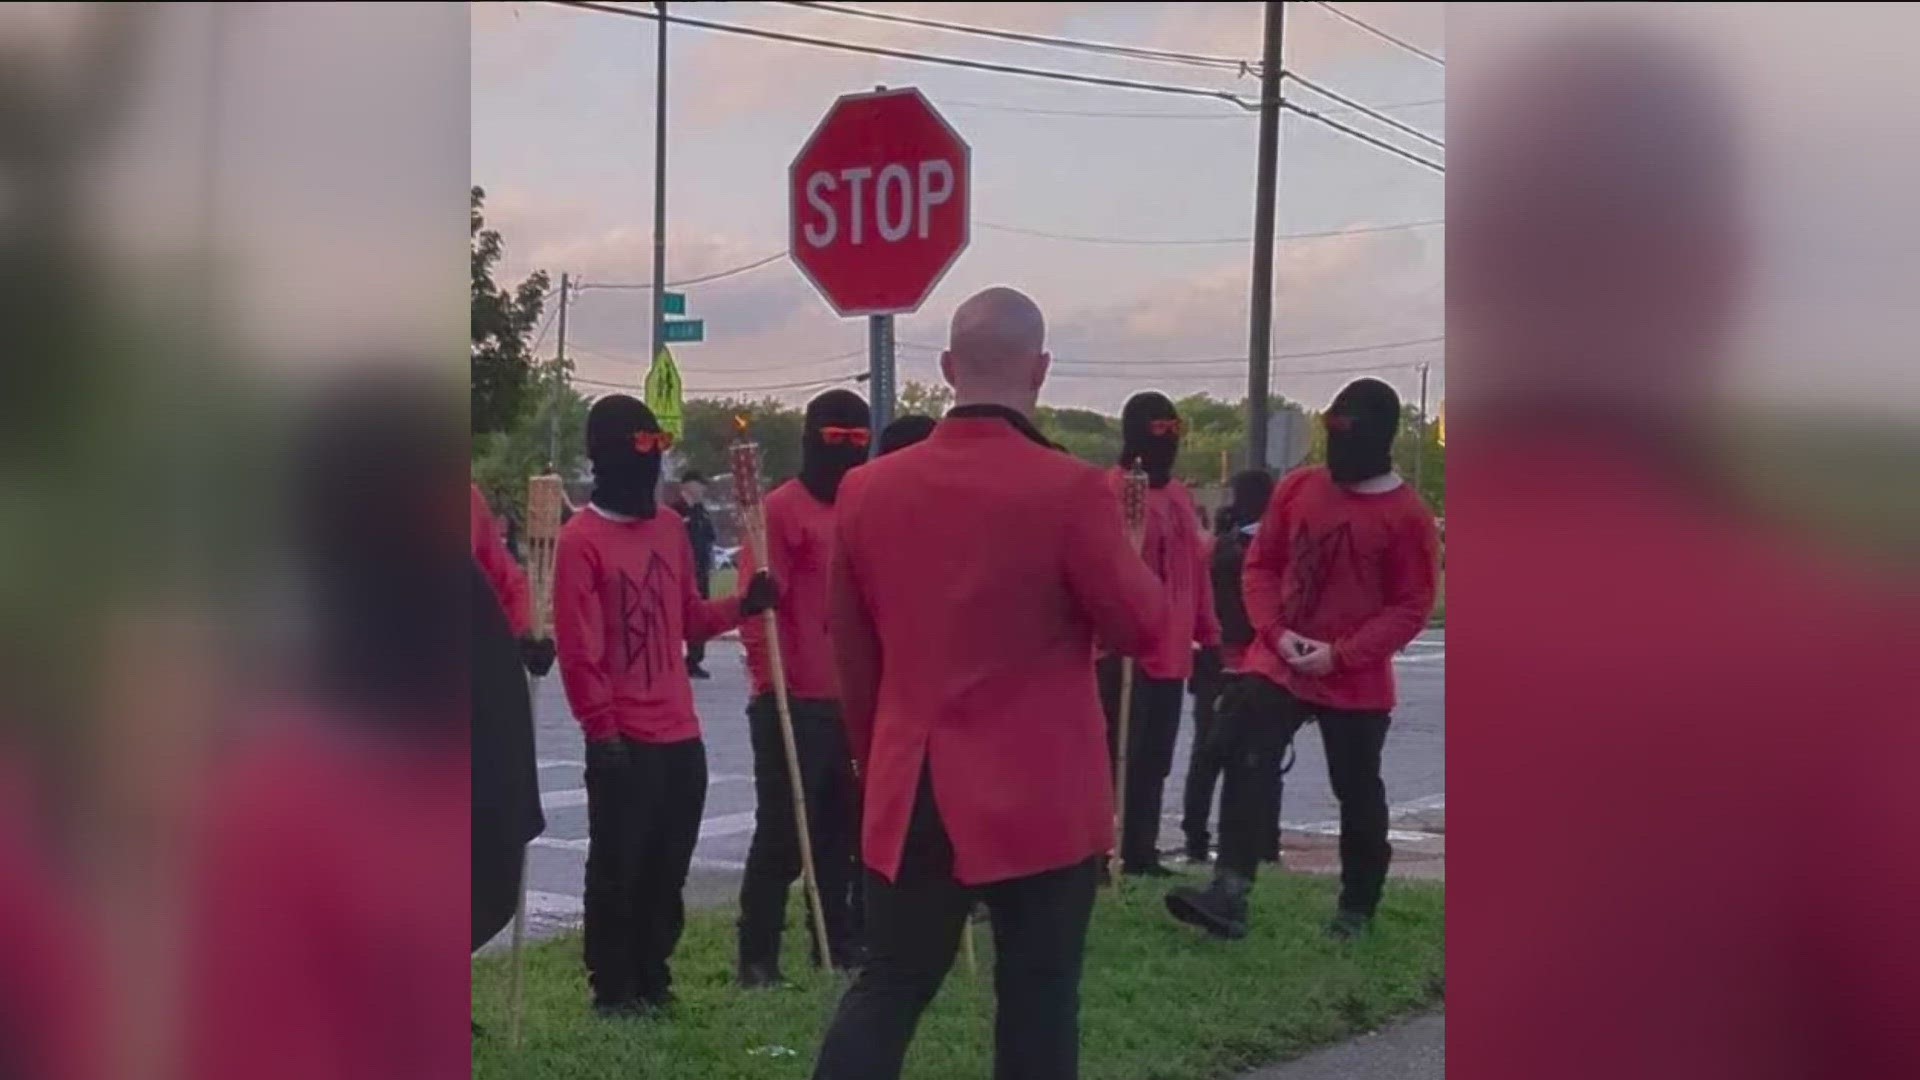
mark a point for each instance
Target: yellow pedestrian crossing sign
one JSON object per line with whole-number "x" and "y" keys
{"x": 663, "y": 392}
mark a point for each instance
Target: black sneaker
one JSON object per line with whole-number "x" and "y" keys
{"x": 1220, "y": 909}
{"x": 655, "y": 1006}
{"x": 1347, "y": 925}
{"x": 695, "y": 671}
{"x": 1198, "y": 855}
{"x": 629, "y": 1009}
{"x": 760, "y": 975}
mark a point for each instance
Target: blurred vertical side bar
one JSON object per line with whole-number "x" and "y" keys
{"x": 1682, "y": 741}
{"x": 233, "y": 771}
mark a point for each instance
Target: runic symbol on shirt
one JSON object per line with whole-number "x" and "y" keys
{"x": 1314, "y": 558}
{"x": 643, "y": 620}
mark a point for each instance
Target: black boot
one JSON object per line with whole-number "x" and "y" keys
{"x": 760, "y": 975}
{"x": 1220, "y": 909}
{"x": 1199, "y": 852}
{"x": 1347, "y": 925}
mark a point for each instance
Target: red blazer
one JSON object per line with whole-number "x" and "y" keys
{"x": 971, "y": 575}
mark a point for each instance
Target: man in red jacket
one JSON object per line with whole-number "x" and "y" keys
{"x": 963, "y": 647}
{"x": 799, "y": 550}
{"x": 1342, "y": 574}
{"x": 625, "y": 604}
{"x": 1150, "y": 437}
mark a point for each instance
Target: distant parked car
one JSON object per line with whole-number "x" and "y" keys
{"x": 723, "y": 557}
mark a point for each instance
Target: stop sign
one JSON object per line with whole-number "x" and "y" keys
{"x": 878, "y": 202}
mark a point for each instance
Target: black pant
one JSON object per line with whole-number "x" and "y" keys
{"x": 697, "y": 650}
{"x": 1206, "y": 766}
{"x": 1256, "y": 723}
{"x": 1152, "y": 730}
{"x": 643, "y": 819}
{"x": 773, "y": 860}
{"x": 913, "y": 930}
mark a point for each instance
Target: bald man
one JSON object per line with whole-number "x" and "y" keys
{"x": 971, "y": 706}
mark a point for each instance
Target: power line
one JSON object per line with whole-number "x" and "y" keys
{"x": 1130, "y": 52}
{"x": 1312, "y": 354}
{"x": 1364, "y": 109}
{"x": 1382, "y": 34}
{"x": 904, "y": 54}
{"x": 619, "y": 356}
{"x": 1149, "y": 242}
{"x": 1208, "y": 375}
{"x": 1364, "y": 137}
{"x": 700, "y": 280}
{"x": 709, "y": 390}
{"x": 1123, "y": 115}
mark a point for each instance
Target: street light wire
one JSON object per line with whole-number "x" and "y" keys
{"x": 992, "y": 106}
{"x": 1365, "y": 109}
{"x": 1382, "y": 34}
{"x": 1131, "y": 52}
{"x": 702, "y": 279}
{"x": 1363, "y": 136}
{"x": 1017, "y": 230}
{"x": 904, "y": 54}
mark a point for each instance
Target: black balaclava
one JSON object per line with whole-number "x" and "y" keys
{"x": 822, "y": 464}
{"x": 1252, "y": 490}
{"x": 1361, "y": 424}
{"x": 1139, "y": 442}
{"x": 905, "y": 431}
{"x": 625, "y": 478}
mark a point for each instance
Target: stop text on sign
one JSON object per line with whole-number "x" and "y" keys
{"x": 878, "y": 200}
{"x": 897, "y": 203}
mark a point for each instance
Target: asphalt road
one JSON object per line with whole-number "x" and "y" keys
{"x": 1414, "y": 764}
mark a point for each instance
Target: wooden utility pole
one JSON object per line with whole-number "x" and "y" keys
{"x": 1260, "y": 325}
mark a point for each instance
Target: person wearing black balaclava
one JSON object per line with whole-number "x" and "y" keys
{"x": 799, "y": 521}
{"x": 1234, "y": 529}
{"x": 1151, "y": 430}
{"x": 905, "y": 431}
{"x": 688, "y": 500}
{"x": 625, "y": 603}
{"x": 1342, "y": 574}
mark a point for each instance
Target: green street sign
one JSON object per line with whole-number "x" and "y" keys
{"x": 683, "y": 331}
{"x": 673, "y": 303}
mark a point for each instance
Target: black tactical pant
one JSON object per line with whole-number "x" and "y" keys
{"x": 1257, "y": 721}
{"x": 1152, "y": 730}
{"x": 773, "y": 859}
{"x": 644, "y": 803}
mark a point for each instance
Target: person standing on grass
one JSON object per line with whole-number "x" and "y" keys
{"x": 1234, "y": 530}
{"x": 1341, "y": 576}
{"x": 688, "y": 500}
{"x": 799, "y": 550}
{"x": 1172, "y": 545}
{"x": 625, "y": 604}
{"x": 972, "y": 575}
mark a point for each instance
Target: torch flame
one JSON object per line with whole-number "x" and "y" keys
{"x": 740, "y": 424}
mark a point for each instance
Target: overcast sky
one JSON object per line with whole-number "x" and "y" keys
{"x": 563, "y": 104}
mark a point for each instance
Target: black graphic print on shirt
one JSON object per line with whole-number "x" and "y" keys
{"x": 1314, "y": 559}
{"x": 643, "y": 620}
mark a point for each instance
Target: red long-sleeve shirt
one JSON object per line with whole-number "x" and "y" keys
{"x": 624, "y": 607}
{"x": 1358, "y": 571}
{"x": 800, "y": 554}
{"x": 508, "y": 580}
{"x": 1174, "y": 547}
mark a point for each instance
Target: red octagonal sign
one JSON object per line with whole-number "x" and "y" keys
{"x": 878, "y": 202}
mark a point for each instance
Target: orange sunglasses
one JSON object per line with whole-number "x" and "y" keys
{"x": 1173, "y": 428}
{"x": 652, "y": 442}
{"x": 849, "y": 436}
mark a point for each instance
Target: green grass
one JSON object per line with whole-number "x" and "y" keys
{"x": 722, "y": 582}
{"x": 1160, "y": 1001}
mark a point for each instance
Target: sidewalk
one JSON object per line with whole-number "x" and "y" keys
{"x": 1413, "y": 1049}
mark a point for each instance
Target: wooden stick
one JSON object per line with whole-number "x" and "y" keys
{"x": 966, "y": 946}
{"x": 1133, "y": 502}
{"x": 544, "y": 496}
{"x": 757, "y": 537}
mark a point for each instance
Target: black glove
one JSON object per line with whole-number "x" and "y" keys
{"x": 1251, "y": 715}
{"x": 762, "y": 595}
{"x": 537, "y": 654}
{"x": 1206, "y": 670}
{"x": 607, "y": 753}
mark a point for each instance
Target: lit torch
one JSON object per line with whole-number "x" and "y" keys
{"x": 1133, "y": 504}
